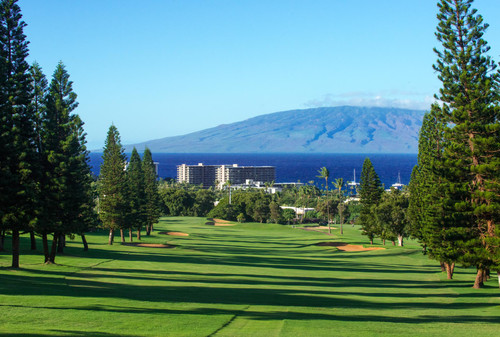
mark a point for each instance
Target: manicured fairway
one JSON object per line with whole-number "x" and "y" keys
{"x": 243, "y": 280}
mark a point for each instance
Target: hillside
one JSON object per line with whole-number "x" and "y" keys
{"x": 343, "y": 129}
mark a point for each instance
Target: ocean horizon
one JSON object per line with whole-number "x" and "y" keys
{"x": 290, "y": 167}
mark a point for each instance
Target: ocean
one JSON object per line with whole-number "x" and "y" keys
{"x": 290, "y": 167}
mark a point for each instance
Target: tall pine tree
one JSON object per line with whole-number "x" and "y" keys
{"x": 370, "y": 192}
{"x": 429, "y": 222}
{"x": 470, "y": 111}
{"x": 137, "y": 194}
{"x": 18, "y": 164}
{"x": 113, "y": 202}
{"x": 67, "y": 202}
{"x": 152, "y": 205}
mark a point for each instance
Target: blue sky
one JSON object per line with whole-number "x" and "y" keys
{"x": 158, "y": 68}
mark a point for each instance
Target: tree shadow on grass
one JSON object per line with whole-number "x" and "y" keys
{"x": 289, "y": 313}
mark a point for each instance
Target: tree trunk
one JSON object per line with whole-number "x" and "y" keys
{"x": 393, "y": 242}
{"x": 111, "y": 237}
{"x": 400, "y": 240}
{"x": 130, "y": 236}
{"x": 498, "y": 274}
{"x": 450, "y": 268}
{"x": 443, "y": 267}
{"x": 148, "y": 230}
{"x": 138, "y": 233}
{"x": 122, "y": 235}
{"x": 45, "y": 244}
{"x": 479, "y": 282}
{"x": 52, "y": 257}
{"x": 383, "y": 242}
{"x": 486, "y": 276}
{"x": 371, "y": 241}
{"x": 60, "y": 244}
{"x": 15, "y": 249}
{"x": 85, "y": 243}
{"x": 33, "y": 240}
{"x": 2, "y": 241}
{"x": 341, "y": 229}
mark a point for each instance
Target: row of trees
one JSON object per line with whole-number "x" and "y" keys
{"x": 128, "y": 193}
{"x": 455, "y": 188}
{"x": 45, "y": 179}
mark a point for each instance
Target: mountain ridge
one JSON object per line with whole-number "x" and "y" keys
{"x": 342, "y": 129}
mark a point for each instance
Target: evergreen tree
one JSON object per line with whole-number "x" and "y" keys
{"x": 470, "y": 111}
{"x": 113, "y": 203}
{"x": 428, "y": 222}
{"x": 66, "y": 194}
{"x": 137, "y": 216}
{"x": 151, "y": 190}
{"x": 18, "y": 164}
{"x": 370, "y": 192}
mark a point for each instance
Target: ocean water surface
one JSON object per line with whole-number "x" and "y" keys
{"x": 290, "y": 167}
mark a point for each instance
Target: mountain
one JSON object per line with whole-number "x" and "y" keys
{"x": 343, "y": 129}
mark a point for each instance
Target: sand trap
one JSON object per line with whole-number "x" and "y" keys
{"x": 347, "y": 247}
{"x": 150, "y": 245}
{"x": 222, "y": 223}
{"x": 174, "y": 233}
{"x": 320, "y": 227}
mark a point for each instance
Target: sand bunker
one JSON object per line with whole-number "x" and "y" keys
{"x": 320, "y": 227}
{"x": 347, "y": 247}
{"x": 150, "y": 245}
{"x": 221, "y": 223}
{"x": 174, "y": 233}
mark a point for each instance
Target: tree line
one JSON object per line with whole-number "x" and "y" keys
{"x": 454, "y": 193}
{"x": 128, "y": 192}
{"x": 456, "y": 185}
{"x": 45, "y": 179}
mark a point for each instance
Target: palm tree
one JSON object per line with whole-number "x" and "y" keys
{"x": 325, "y": 174}
{"x": 339, "y": 184}
{"x": 228, "y": 184}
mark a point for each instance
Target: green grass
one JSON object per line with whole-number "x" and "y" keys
{"x": 246, "y": 280}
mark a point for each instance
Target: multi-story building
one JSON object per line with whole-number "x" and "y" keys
{"x": 210, "y": 175}
{"x": 240, "y": 174}
{"x": 197, "y": 174}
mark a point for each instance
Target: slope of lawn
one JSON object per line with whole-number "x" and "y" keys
{"x": 243, "y": 280}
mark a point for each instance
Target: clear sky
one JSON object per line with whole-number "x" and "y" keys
{"x": 158, "y": 68}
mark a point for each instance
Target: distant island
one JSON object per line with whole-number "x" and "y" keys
{"x": 342, "y": 129}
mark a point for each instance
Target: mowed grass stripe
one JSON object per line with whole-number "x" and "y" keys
{"x": 242, "y": 280}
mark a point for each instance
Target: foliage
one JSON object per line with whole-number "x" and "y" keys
{"x": 19, "y": 169}
{"x": 183, "y": 199}
{"x": 370, "y": 192}
{"x": 390, "y": 216}
{"x": 135, "y": 192}
{"x": 67, "y": 205}
{"x": 152, "y": 205}
{"x": 468, "y": 172}
{"x": 113, "y": 203}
